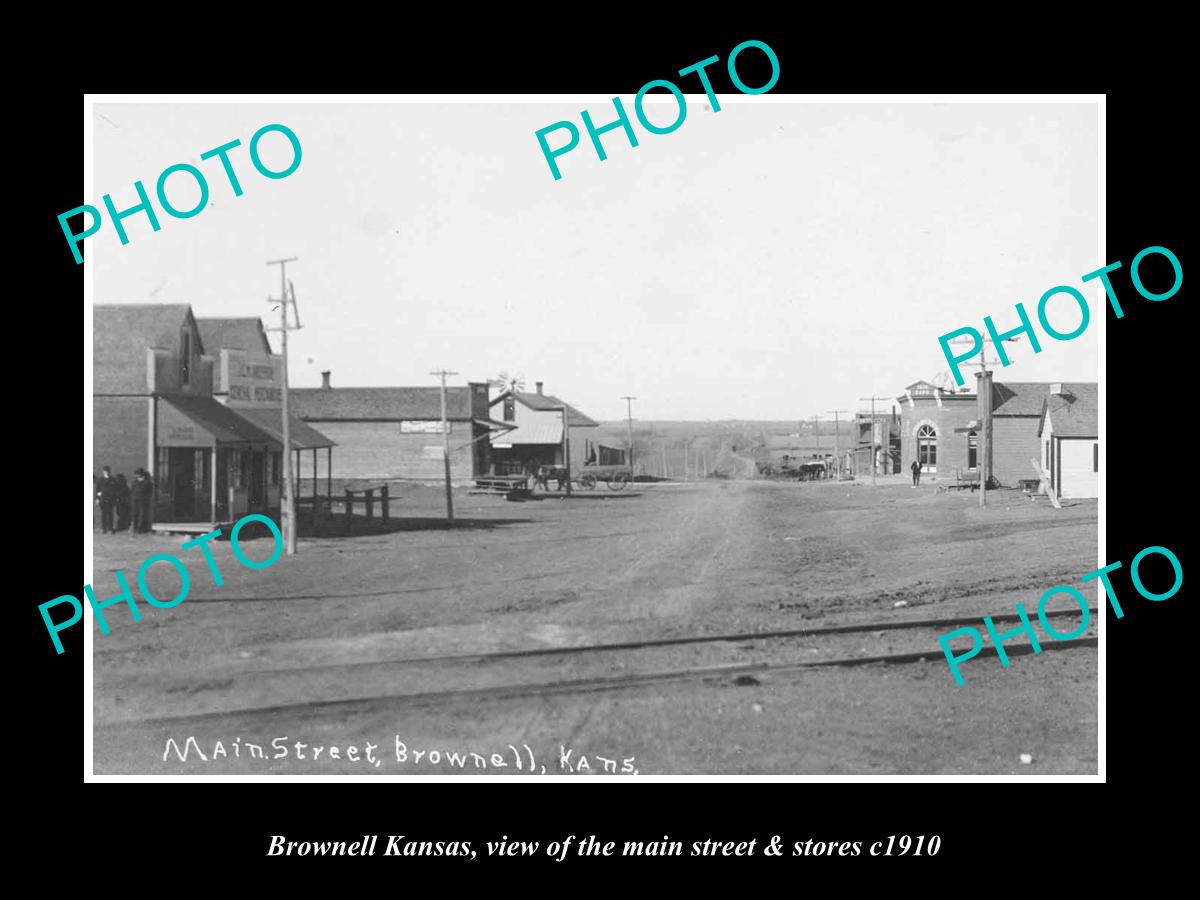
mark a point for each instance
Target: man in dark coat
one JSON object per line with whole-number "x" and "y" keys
{"x": 106, "y": 496}
{"x": 142, "y": 495}
{"x": 122, "y": 504}
{"x": 916, "y": 472}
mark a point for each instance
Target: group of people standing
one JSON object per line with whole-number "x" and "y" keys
{"x": 117, "y": 499}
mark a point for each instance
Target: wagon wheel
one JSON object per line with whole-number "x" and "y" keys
{"x": 618, "y": 481}
{"x": 588, "y": 482}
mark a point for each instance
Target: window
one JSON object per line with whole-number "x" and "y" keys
{"x": 200, "y": 474}
{"x": 162, "y": 472}
{"x": 274, "y": 467}
{"x": 244, "y": 468}
{"x": 235, "y": 468}
{"x": 510, "y": 409}
{"x": 972, "y": 450}
{"x": 185, "y": 356}
{"x": 1095, "y": 457}
{"x": 927, "y": 448}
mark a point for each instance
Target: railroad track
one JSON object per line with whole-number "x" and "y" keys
{"x": 528, "y": 652}
{"x": 283, "y": 683}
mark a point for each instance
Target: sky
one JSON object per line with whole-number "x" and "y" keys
{"x": 774, "y": 260}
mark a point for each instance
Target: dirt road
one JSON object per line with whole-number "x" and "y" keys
{"x": 334, "y": 625}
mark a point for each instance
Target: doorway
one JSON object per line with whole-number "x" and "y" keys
{"x": 927, "y": 448}
{"x": 183, "y": 478}
{"x": 256, "y": 489}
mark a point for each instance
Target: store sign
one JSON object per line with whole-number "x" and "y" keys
{"x": 416, "y": 427}
{"x": 252, "y": 383}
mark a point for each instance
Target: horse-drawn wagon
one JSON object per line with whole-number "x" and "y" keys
{"x": 617, "y": 477}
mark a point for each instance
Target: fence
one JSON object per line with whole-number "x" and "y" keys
{"x": 323, "y": 513}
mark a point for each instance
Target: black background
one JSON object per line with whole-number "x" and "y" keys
{"x": 989, "y": 830}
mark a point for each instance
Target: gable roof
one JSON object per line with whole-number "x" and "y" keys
{"x": 1074, "y": 414}
{"x": 122, "y": 332}
{"x": 385, "y": 404}
{"x": 1019, "y": 398}
{"x": 234, "y": 334}
{"x": 549, "y": 403}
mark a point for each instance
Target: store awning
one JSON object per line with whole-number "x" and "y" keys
{"x": 534, "y": 433}
{"x": 184, "y": 421}
{"x": 270, "y": 420}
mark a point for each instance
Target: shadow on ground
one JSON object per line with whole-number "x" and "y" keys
{"x": 360, "y": 528}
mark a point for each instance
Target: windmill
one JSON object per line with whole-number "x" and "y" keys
{"x": 506, "y": 382}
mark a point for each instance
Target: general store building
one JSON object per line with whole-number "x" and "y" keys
{"x": 153, "y": 407}
{"x": 537, "y": 439}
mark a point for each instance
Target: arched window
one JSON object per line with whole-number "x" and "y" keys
{"x": 972, "y": 450}
{"x": 927, "y": 448}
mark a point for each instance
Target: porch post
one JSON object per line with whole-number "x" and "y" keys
{"x": 212, "y": 478}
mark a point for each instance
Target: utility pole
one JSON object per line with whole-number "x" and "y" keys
{"x": 287, "y": 503}
{"x": 817, "y": 435}
{"x": 663, "y": 445}
{"x": 442, "y": 373}
{"x": 983, "y": 404}
{"x": 837, "y": 440}
{"x": 629, "y": 429}
{"x": 566, "y": 448}
{"x": 874, "y": 453}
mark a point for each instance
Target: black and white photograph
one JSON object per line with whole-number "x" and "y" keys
{"x": 451, "y": 437}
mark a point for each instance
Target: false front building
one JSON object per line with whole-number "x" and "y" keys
{"x": 153, "y": 407}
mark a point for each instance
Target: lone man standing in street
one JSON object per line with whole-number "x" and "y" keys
{"x": 916, "y": 472}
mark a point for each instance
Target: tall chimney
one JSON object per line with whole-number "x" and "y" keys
{"x": 539, "y": 388}
{"x": 325, "y": 379}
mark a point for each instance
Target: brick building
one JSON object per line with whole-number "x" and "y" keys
{"x": 929, "y": 416}
{"x": 941, "y": 429}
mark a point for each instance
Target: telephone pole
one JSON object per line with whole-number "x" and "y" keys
{"x": 874, "y": 453}
{"x": 629, "y": 429}
{"x": 817, "y": 435}
{"x": 837, "y": 440}
{"x": 566, "y": 448}
{"x": 983, "y": 405}
{"x": 287, "y": 503}
{"x": 442, "y": 373}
